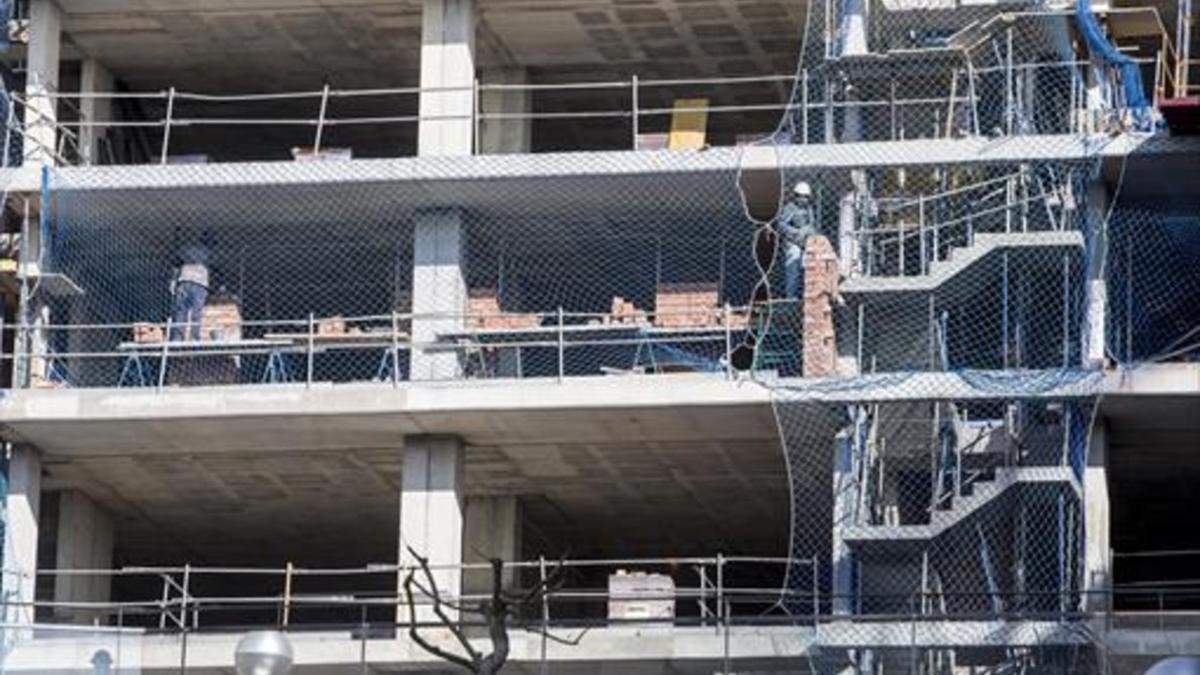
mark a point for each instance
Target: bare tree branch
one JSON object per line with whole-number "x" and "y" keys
{"x": 496, "y": 610}
{"x": 438, "y": 609}
{"x": 416, "y": 635}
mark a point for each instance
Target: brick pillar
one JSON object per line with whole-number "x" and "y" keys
{"x": 820, "y": 288}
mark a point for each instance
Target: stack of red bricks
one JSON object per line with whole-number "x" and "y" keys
{"x": 483, "y": 312}
{"x": 686, "y": 305}
{"x": 147, "y": 333}
{"x": 624, "y": 311}
{"x": 334, "y": 325}
{"x": 221, "y": 320}
{"x": 820, "y": 290}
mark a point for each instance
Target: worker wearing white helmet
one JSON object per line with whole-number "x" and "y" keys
{"x": 795, "y": 225}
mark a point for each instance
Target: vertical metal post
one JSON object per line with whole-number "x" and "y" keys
{"x": 183, "y": 664}
{"x": 321, "y": 120}
{"x": 725, "y": 666}
{"x": 1066, "y": 309}
{"x": 804, "y": 105}
{"x": 312, "y": 337}
{"x": 859, "y": 340}
{"x": 162, "y": 361}
{"x": 932, "y": 332}
{"x": 1004, "y": 310}
{"x": 924, "y": 266}
{"x": 476, "y": 116}
{"x": 720, "y": 587}
{"x": 900, "y": 236}
{"x": 166, "y": 144}
{"x": 287, "y": 593}
{"x": 633, "y": 85}
{"x": 561, "y": 345}
{"x": 395, "y": 349}
{"x": 728, "y": 342}
{"x": 8, "y": 127}
{"x": 892, "y": 110}
{"x": 1008, "y": 83}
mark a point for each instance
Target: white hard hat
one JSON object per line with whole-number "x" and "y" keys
{"x": 802, "y": 189}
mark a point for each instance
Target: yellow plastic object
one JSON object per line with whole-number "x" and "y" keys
{"x": 689, "y": 119}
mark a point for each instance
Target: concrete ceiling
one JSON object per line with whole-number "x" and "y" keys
{"x": 340, "y": 507}
{"x": 370, "y": 43}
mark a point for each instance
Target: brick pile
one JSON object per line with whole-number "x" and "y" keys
{"x": 145, "y": 333}
{"x": 820, "y": 289}
{"x": 686, "y": 305}
{"x": 624, "y": 311}
{"x": 221, "y": 320}
{"x": 483, "y": 312}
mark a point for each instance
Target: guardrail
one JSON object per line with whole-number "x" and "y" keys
{"x": 386, "y": 348}
{"x": 913, "y": 108}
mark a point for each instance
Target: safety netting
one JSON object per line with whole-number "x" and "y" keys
{"x": 930, "y": 264}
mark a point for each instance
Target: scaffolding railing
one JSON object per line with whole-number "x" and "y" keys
{"x": 910, "y": 110}
{"x": 383, "y": 348}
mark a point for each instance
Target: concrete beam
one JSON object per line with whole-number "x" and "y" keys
{"x": 447, "y": 77}
{"x": 503, "y": 136}
{"x": 431, "y": 508}
{"x": 439, "y": 291}
{"x": 45, "y": 48}
{"x": 85, "y": 542}
{"x": 22, "y": 506}
{"x": 94, "y": 78}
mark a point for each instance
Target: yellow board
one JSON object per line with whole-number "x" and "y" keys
{"x": 689, "y": 120}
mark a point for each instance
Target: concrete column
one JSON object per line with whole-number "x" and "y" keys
{"x": 1096, "y": 292}
{"x": 45, "y": 42}
{"x": 431, "y": 507}
{"x": 492, "y": 530}
{"x": 439, "y": 291}
{"x": 447, "y": 62}
{"x": 94, "y": 78}
{"x": 509, "y": 135}
{"x": 85, "y": 542}
{"x": 1097, "y": 546}
{"x": 22, "y": 505}
{"x": 843, "y": 514}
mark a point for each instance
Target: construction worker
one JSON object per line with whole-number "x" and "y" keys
{"x": 796, "y": 223}
{"x": 189, "y": 288}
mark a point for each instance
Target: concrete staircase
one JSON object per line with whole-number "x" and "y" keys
{"x": 983, "y": 490}
{"x": 961, "y": 259}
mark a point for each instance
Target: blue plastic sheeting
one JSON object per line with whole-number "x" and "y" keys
{"x": 6, "y": 13}
{"x": 1131, "y": 76}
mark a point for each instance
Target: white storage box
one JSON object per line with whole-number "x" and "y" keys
{"x": 634, "y": 596}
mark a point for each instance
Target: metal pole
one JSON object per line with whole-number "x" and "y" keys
{"x": 924, "y": 266}
{"x": 561, "y": 345}
{"x": 162, "y": 361}
{"x": 1008, "y": 83}
{"x": 932, "y": 332}
{"x": 476, "y": 116}
{"x": 311, "y": 345}
{"x": 187, "y": 570}
{"x": 804, "y": 104}
{"x": 725, "y": 623}
{"x": 321, "y": 120}
{"x": 728, "y": 343}
{"x": 634, "y": 93}
{"x": 1066, "y": 313}
{"x": 1004, "y": 310}
{"x": 720, "y": 582}
{"x": 395, "y": 349}
{"x": 287, "y": 593}
{"x": 167, "y": 128}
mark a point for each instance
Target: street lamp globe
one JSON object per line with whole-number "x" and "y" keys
{"x": 264, "y": 652}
